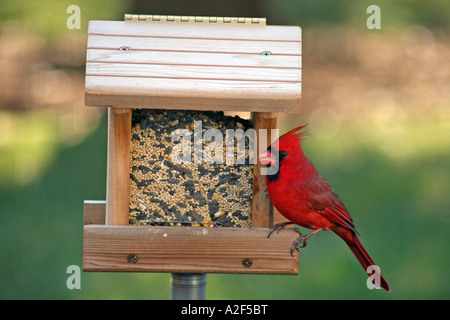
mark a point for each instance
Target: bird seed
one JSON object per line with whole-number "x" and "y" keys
{"x": 200, "y": 192}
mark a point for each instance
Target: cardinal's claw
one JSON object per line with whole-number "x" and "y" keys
{"x": 277, "y": 227}
{"x": 300, "y": 242}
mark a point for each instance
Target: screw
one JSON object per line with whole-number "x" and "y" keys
{"x": 247, "y": 263}
{"x": 266, "y": 53}
{"x": 132, "y": 258}
{"x": 123, "y": 48}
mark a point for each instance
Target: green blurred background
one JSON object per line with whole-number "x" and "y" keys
{"x": 379, "y": 112}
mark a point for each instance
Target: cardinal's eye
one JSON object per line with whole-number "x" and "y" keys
{"x": 283, "y": 155}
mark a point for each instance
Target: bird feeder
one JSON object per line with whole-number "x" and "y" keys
{"x": 173, "y": 64}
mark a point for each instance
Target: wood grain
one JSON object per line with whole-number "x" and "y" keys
{"x": 195, "y": 31}
{"x": 193, "y": 45}
{"x": 262, "y": 207}
{"x": 118, "y": 171}
{"x": 188, "y": 250}
{"x": 192, "y": 72}
{"x": 194, "y": 59}
{"x": 94, "y": 212}
{"x": 178, "y": 94}
{"x": 203, "y": 67}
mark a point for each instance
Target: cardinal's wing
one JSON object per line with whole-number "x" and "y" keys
{"x": 326, "y": 202}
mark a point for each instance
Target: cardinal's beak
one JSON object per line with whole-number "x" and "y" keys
{"x": 267, "y": 158}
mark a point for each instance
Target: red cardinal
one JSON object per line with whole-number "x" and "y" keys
{"x": 305, "y": 198}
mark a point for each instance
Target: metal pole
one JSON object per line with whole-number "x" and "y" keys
{"x": 187, "y": 286}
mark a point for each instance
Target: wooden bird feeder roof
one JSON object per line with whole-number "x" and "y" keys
{"x": 202, "y": 63}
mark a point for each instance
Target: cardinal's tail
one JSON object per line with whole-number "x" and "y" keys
{"x": 364, "y": 259}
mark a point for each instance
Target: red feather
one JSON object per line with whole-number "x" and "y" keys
{"x": 305, "y": 198}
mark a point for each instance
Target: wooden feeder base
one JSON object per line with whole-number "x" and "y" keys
{"x": 183, "y": 249}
